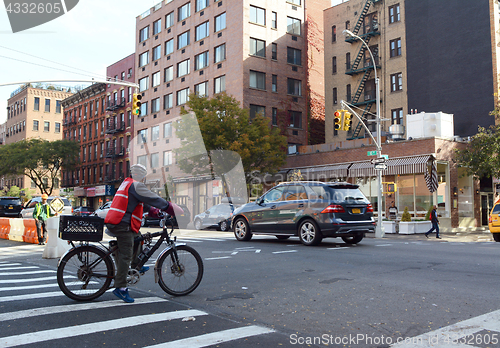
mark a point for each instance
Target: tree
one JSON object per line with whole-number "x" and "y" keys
{"x": 226, "y": 128}
{"x": 39, "y": 159}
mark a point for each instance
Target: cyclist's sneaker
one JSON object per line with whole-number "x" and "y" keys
{"x": 123, "y": 294}
{"x": 144, "y": 269}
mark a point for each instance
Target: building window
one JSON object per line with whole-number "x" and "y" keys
{"x": 397, "y": 116}
{"x": 257, "y": 79}
{"x": 394, "y": 15}
{"x": 143, "y": 160}
{"x": 169, "y": 20}
{"x": 293, "y": 56}
{"x": 37, "y": 104}
{"x": 144, "y": 109}
{"x": 182, "y": 96}
{"x": 220, "y": 53}
{"x": 334, "y": 96}
{"x": 144, "y": 84}
{"x": 348, "y": 25}
{"x": 156, "y": 79}
{"x": 274, "y": 116}
{"x": 201, "y": 4}
{"x": 167, "y": 130}
{"x": 257, "y": 110}
{"x": 58, "y": 106}
{"x": 35, "y": 125}
{"x": 168, "y": 101}
{"x": 257, "y": 15}
{"x": 295, "y": 119}
{"x": 46, "y": 126}
{"x": 220, "y": 22}
{"x": 294, "y": 87}
{"x": 275, "y": 83}
{"x": 257, "y": 47}
{"x": 157, "y": 52}
{"x": 334, "y": 65}
{"x": 58, "y": 127}
{"x": 183, "y": 40}
{"x": 183, "y": 68}
{"x": 155, "y": 105}
{"x": 274, "y": 51}
{"x": 295, "y": 2}
{"x": 144, "y": 34}
{"x": 202, "y": 31}
{"x": 142, "y": 136}
{"x": 293, "y": 25}
{"x": 348, "y": 61}
{"x": 155, "y": 160}
{"x": 334, "y": 33}
{"x": 201, "y": 61}
{"x": 396, "y": 82}
{"x": 155, "y": 133}
{"x": 169, "y": 47}
{"x": 274, "y": 20}
{"x": 157, "y": 27}
{"x": 395, "y": 47}
{"x": 169, "y": 73}
{"x": 220, "y": 84}
{"x": 348, "y": 92}
{"x": 143, "y": 59}
{"x": 167, "y": 158}
{"x": 47, "y": 105}
{"x": 201, "y": 89}
{"x": 184, "y": 12}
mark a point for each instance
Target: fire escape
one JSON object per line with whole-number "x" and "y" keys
{"x": 366, "y": 27}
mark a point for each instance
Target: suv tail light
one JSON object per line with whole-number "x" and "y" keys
{"x": 333, "y": 208}
{"x": 369, "y": 208}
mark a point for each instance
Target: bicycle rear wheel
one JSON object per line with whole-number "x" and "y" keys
{"x": 85, "y": 273}
{"x": 180, "y": 277}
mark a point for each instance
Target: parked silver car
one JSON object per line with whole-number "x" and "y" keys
{"x": 102, "y": 210}
{"x": 27, "y": 212}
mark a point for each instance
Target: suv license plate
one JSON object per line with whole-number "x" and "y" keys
{"x": 356, "y": 211}
{"x": 11, "y": 207}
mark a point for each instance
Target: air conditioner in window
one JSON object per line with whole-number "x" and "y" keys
{"x": 368, "y": 97}
{"x": 129, "y": 75}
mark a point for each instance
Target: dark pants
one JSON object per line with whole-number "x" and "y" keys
{"x": 125, "y": 253}
{"x": 435, "y": 226}
{"x": 41, "y": 230}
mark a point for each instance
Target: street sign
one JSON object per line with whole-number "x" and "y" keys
{"x": 380, "y": 166}
{"x": 371, "y": 153}
{"x": 378, "y": 160}
{"x": 385, "y": 156}
{"x": 57, "y": 205}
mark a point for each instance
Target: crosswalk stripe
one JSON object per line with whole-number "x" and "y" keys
{"x": 30, "y": 272}
{"x": 85, "y": 329}
{"x": 31, "y": 296}
{"x": 75, "y": 307}
{"x": 28, "y": 287}
{"x": 215, "y": 337}
{"x": 5, "y": 263}
{"x": 7, "y": 281}
{"x": 17, "y": 268}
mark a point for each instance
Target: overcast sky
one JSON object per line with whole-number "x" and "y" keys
{"x": 92, "y": 36}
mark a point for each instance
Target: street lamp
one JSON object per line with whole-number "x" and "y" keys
{"x": 378, "y": 232}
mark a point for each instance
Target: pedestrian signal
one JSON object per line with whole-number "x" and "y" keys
{"x": 337, "y": 120}
{"x": 136, "y": 104}
{"x": 347, "y": 120}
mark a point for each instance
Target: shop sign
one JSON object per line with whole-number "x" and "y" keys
{"x": 79, "y": 191}
{"x": 91, "y": 192}
{"x": 104, "y": 190}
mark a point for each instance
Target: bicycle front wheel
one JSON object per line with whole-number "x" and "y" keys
{"x": 85, "y": 273}
{"x": 180, "y": 270}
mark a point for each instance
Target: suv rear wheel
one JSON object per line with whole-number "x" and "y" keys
{"x": 496, "y": 237}
{"x": 242, "y": 230}
{"x": 353, "y": 240}
{"x": 309, "y": 233}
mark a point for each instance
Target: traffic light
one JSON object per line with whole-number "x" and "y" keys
{"x": 347, "y": 120}
{"x": 337, "y": 120}
{"x": 136, "y": 104}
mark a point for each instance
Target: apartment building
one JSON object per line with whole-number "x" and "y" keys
{"x": 99, "y": 117}
{"x": 34, "y": 112}
{"x": 266, "y": 54}
{"x": 430, "y": 56}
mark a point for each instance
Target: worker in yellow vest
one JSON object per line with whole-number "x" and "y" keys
{"x": 41, "y": 213}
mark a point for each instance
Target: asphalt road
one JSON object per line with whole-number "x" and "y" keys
{"x": 369, "y": 295}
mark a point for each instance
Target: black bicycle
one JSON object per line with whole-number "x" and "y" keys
{"x": 87, "y": 270}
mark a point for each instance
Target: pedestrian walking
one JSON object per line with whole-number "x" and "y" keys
{"x": 393, "y": 212}
{"x": 41, "y": 213}
{"x": 435, "y": 223}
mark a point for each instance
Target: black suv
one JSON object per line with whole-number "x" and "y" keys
{"x": 10, "y": 206}
{"x": 311, "y": 210}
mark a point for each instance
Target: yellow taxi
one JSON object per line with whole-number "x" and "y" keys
{"x": 494, "y": 222}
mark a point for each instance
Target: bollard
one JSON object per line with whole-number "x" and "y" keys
{"x": 55, "y": 246}
{"x": 16, "y": 230}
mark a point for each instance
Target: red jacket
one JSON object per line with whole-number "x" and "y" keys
{"x": 119, "y": 207}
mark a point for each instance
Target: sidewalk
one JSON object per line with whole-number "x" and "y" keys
{"x": 472, "y": 236}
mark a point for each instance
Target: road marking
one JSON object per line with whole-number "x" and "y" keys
{"x": 383, "y": 244}
{"x": 30, "y": 272}
{"x": 4, "y": 263}
{"x": 75, "y": 307}
{"x": 85, "y": 329}
{"x": 445, "y": 336}
{"x": 285, "y": 251}
{"x": 6, "y": 281}
{"x": 28, "y": 287}
{"x": 218, "y": 258}
{"x": 31, "y": 297}
{"x": 337, "y": 248}
{"x": 16, "y": 268}
{"x": 215, "y": 337}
